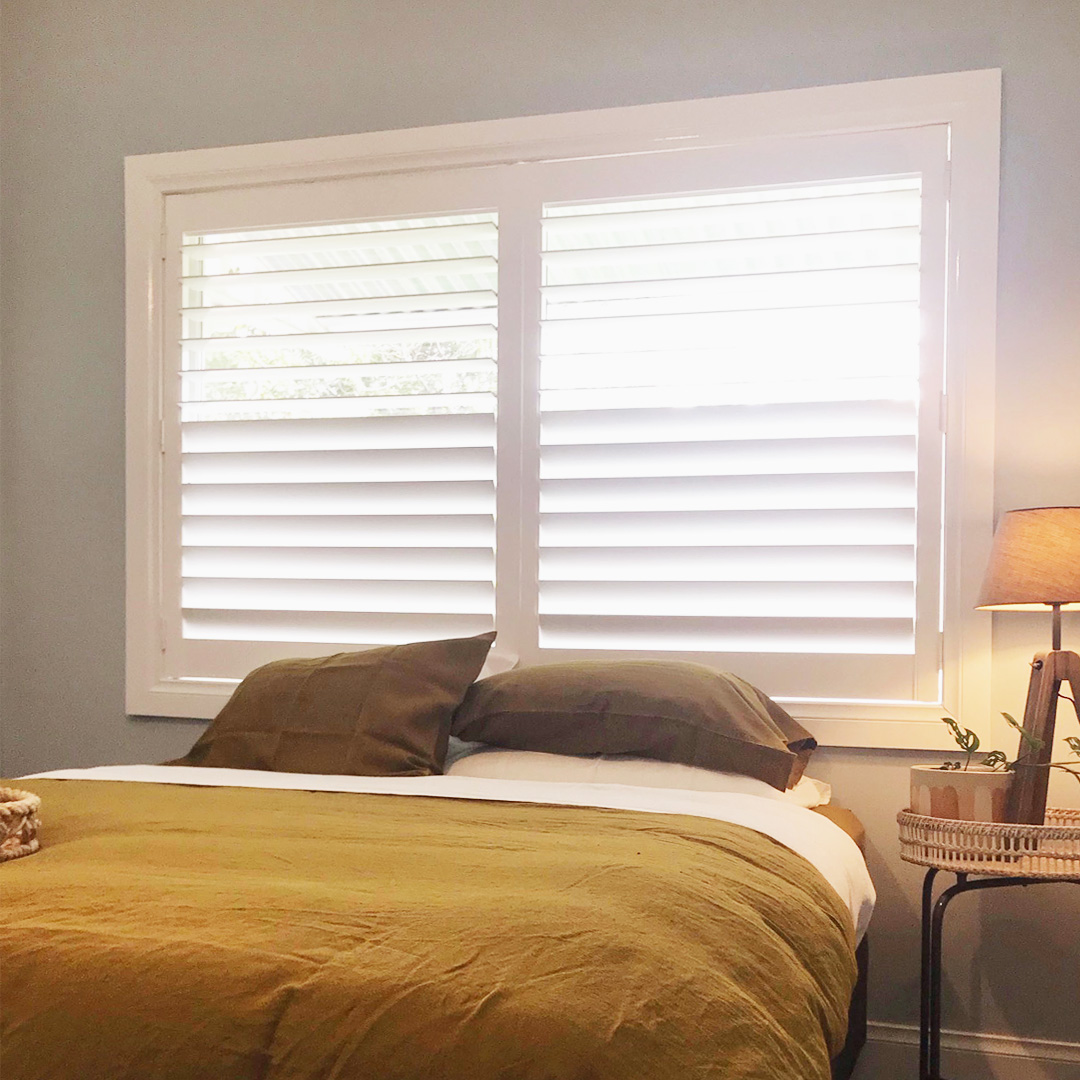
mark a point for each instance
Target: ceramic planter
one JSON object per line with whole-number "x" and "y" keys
{"x": 973, "y": 794}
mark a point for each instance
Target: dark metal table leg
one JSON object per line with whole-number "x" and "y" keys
{"x": 930, "y": 981}
{"x": 924, "y": 976}
{"x": 937, "y": 923}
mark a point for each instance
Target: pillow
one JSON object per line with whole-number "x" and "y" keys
{"x": 494, "y": 764}
{"x": 381, "y": 712}
{"x": 671, "y": 710}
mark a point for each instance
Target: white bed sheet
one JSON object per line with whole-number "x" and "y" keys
{"x": 810, "y": 835}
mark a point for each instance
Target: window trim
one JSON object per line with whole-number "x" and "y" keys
{"x": 968, "y": 102}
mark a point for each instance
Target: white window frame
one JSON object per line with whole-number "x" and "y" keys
{"x": 966, "y": 103}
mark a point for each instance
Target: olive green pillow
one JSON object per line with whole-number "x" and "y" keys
{"x": 381, "y": 712}
{"x": 664, "y": 709}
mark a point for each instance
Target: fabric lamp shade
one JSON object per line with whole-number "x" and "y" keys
{"x": 1035, "y": 561}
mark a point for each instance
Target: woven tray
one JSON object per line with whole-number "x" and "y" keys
{"x": 18, "y": 823}
{"x": 974, "y": 847}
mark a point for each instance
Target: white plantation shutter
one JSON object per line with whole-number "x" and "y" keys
{"x": 337, "y": 433}
{"x": 652, "y": 383}
{"x": 730, "y": 399}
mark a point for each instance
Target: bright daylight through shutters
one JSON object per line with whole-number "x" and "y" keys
{"x": 338, "y": 431}
{"x": 777, "y": 515}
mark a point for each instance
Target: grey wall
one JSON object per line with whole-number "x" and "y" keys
{"x": 86, "y": 82}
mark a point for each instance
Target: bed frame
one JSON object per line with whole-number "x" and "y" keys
{"x": 844, "y": 1063}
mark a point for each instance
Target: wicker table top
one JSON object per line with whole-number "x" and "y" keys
{"x": 1050, "y": 851}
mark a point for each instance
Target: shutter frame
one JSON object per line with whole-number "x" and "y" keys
{"x": 969, "y": 103}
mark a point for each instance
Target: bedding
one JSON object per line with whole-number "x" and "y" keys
{"x": 669, "y": 710}
{"x": 496, "y": 764}
{"x": 425, "y": 927}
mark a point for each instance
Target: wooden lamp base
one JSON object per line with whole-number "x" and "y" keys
{"x": 1027, "y": 797}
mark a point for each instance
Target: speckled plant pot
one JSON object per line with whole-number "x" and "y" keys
{"x": 973, "y": 794}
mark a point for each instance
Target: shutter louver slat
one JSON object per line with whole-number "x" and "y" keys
{"x": 331, "y": 499}
{"x": 224, "y": 284}
{"x": 770, "y": 332}
{"x": 330, "y": 407}
{"x": 348, "y": 308}
{"x": 729, "y": 458}
{"x": 810, "y": 214}
{"x": 335, "y": 338}
{"x": 332, "y": 627}
{"x": 783, "y": 528}
{"x": 391, "y": 433}
{"x": 197, "y": 383}
{"x": 340, "y": 564}
{"x": 744, "y": 600}
{"x": 317, "y": 466}
{"x": 664, "y": 633}
{"x": 880, "y": 247}
{"x": 373, "y": 239}
{"x": 701, "y": 564}
{"x": 839, "y": 361}
{"x": 737, "y": 424}
{"x": 882, "y": 284}
{"x": 338, "y": 432}
{"x": 676, "y": 493}
{"x": 418, "y": 530}
{"x": 697, "y": 390}
{"x": 274, "y": 594}
{"x": 729, "y": 423}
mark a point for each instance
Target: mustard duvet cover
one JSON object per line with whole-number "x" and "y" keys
{"x": 197, "y": 933}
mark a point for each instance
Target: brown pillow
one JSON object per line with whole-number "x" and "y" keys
{"x": 381, "y": 712}
{"x": 666, "y": 709}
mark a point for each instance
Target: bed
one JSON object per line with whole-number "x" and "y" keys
{"x": 195, "y": 922}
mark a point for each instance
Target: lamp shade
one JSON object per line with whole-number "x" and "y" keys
{"x": 1035, "y": 561}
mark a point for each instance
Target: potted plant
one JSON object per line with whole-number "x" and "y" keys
{"x": 970, "y": 791}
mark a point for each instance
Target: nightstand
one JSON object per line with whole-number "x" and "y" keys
{"x": 982, "y": 855}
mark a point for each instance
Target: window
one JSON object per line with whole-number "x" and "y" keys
{"x": 629, "y": 383}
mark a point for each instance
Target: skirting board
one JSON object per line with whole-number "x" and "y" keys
{"x": 893, "y": 1050}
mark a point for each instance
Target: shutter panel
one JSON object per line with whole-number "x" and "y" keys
{"x": 337, "y": 421}
{"x": 729, "y": 427}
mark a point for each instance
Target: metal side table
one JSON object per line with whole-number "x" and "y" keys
{"x": 982, "y": 856}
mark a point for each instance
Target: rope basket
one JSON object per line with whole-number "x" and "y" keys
{"x": 1039, "y": 851}
{"x": 18, "y": 823}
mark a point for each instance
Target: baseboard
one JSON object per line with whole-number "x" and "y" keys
{"x": 893, "y": 1050}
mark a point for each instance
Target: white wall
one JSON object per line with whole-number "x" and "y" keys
{"x": 86, "y": 82}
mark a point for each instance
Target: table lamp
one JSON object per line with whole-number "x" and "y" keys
{"x": 1035, "y": 565}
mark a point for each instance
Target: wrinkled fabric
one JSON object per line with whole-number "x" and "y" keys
{"x": 186, "y": 933}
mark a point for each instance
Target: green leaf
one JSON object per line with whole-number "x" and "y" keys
{"x": 953, "y": 726}
{"x": 965, "y": 738}
{"x": 1032, "y": 741}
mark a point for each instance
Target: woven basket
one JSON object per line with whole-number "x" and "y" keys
{"x": 1039, "y": 851}
{"x": 18, "y": 823}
